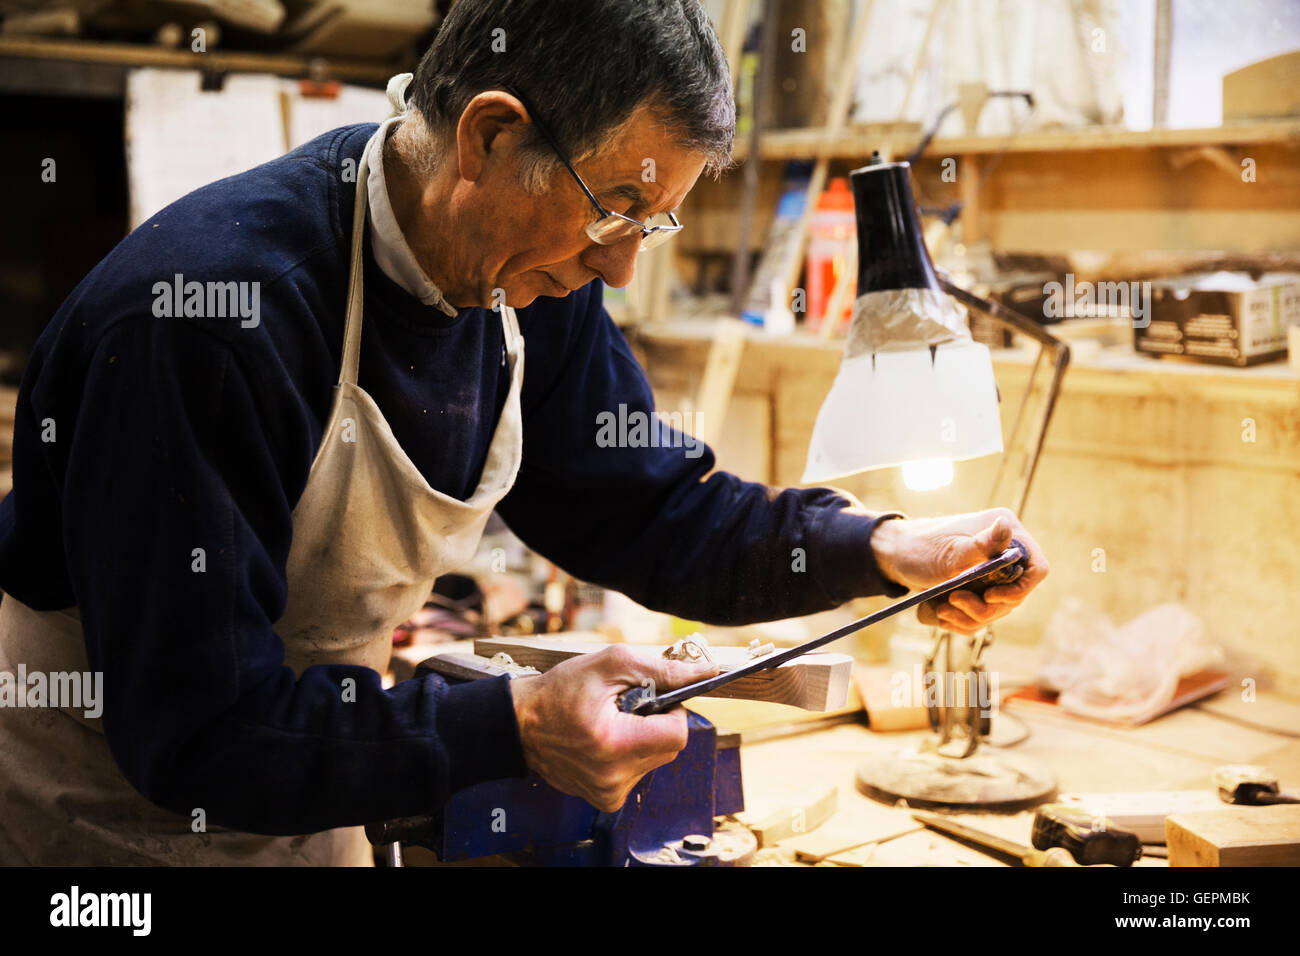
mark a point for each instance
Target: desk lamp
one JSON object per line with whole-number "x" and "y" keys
{"x": 914, "y": 390}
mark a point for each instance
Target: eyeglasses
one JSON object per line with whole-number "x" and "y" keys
{"x": 610, "y": 227}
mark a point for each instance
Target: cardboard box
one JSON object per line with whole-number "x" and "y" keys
{"x": 1223, "y": 318}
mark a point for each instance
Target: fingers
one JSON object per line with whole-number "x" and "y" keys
{"x": 656, "y": 735}
{"x": 961, "y": 611}
{"x": 574, "y": 736}
{"x": 670, "y": 675}
{"x": 643, "y": 744}
{"x": 975, "y": 543}
{"x": 965, "y": 611}
{"x": 996, "y": 538}
{"x": 622, "y": 664}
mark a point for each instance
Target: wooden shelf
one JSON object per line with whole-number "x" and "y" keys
{"x": 858, "y": 141}
{"x": 128, "y": 55}
{"x": 1100, "y": 137}
{"x": 813, "y": 143}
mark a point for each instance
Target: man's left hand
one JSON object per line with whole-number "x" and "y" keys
{"x": 920, "y": 553}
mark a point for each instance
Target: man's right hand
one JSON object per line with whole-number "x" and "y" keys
{"x": 576, "y": 738}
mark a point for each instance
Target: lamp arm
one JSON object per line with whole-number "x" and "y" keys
{"x": 1008, "y": 317}
{"x": 1048, "y": 342}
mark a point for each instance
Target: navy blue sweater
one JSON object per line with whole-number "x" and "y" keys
{"x": 140, "y": 438}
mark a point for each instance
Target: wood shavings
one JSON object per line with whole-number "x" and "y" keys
{"x": 669, "y": 855}
{"x": 691, "y": 649}
{"x": 757, "y": 650}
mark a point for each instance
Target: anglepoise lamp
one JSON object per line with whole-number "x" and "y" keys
{"x": 915, "y": 391}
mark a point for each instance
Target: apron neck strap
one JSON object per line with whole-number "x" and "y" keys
{"x": 356, "y": 285}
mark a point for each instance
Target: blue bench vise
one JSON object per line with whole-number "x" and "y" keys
{"x": 669, "y": 818}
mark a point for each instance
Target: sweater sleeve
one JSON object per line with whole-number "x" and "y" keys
{"x": 177, "y": 515}
{"x": 616, "y": 500}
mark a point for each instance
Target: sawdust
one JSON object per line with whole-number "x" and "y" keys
{"x": 502, "y": 659}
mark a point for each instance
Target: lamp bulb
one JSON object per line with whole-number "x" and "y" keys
{"x": 927, "y": 475}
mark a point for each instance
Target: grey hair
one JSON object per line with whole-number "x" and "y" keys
{"x": 585, "y": 66}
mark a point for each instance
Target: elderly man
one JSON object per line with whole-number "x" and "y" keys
{"x": 225, "y": 512}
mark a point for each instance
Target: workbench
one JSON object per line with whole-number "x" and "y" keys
{"x": 1176, "y": 752}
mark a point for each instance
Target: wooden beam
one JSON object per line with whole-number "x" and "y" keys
{"x": 219, "y": 61}
{"x": 813, "y": 682}
{"x": 719, "y": 379}
{"x": 837, "y": 116}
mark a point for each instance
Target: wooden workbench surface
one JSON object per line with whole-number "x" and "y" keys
{"x": 1176, "y": 752}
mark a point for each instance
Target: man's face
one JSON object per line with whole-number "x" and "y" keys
{"x": 531, "y": 246}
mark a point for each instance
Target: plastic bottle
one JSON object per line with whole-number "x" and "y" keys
{"x": 831, "y": 232}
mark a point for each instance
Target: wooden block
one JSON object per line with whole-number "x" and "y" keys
{"x": 813, "y": 682}
{"x": 796, "y": 819}
{"x": 876, "y": 687}
{"x": 1235, "y": 836}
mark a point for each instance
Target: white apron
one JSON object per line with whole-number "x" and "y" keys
{"x": 369, "y": 537}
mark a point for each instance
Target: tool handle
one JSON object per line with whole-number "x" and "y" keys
{"x": 637, "y": 700}
{"x": 1056, "y": 856}
{"x": 1088, "y": 839}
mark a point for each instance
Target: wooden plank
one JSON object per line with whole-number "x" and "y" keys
{"x": 796, "y": 819}
{"x": 731, "y": 32}
{"x": 1235, "y": 836}
{"x": 812, "y": 682}
{"x": 837, "y": 843}
{"x": 837, "y": 116}
{"x": 856, "y": 142}
{"x": 1210, "y": 230}
{"x": 972, "y": 208}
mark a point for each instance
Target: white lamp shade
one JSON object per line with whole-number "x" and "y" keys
{"x": 906, "y": 408}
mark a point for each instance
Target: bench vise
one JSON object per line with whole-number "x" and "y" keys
{"x": 669, "y": 818}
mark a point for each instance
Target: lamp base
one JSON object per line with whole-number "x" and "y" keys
{"x": 929, "y": 781}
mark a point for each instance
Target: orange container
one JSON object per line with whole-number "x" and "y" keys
{"x": 832, "y": 232}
